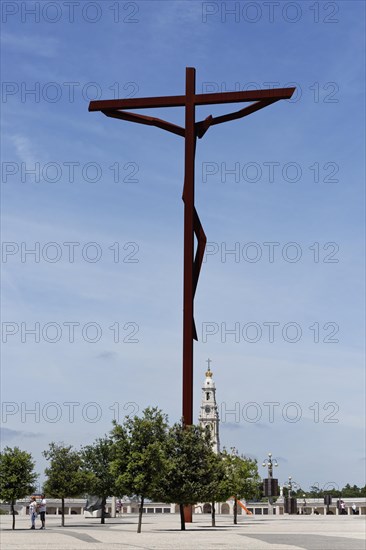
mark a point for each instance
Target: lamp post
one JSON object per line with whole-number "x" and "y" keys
{"x": 289, "y": 486}
{"x": 304, "y": 504}
{"x": 269, "y": 462}
{"x": 234, "y": 453}
{"x": 292, "y": 485}
{"x": 291, "y": 505}
{"x": 270, "y": 484}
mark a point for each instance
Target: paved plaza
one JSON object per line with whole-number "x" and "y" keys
{"x": 163, "y": 532}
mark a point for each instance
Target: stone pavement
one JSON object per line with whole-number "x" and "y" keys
{"x": 161, "y": 532}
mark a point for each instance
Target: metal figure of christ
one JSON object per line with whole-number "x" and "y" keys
{"x": 116, "y": 108}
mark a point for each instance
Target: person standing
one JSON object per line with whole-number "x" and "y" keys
{"x": 33, "y": 512}
{"x": 42, "y": 511}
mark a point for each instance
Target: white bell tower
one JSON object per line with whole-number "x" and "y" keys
{"x": 209, "y": 415}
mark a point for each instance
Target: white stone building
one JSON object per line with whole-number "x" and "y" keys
{"x": 209, "y": 414}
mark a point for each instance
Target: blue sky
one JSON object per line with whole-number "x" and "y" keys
{"x": 291, "y": 175}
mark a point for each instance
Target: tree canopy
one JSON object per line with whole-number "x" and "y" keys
{"x": 242, "y": 477}
{"x": 96, "y": 463}
{"x": 17, "y": 476}
{"x": 65, "y": 477}
{"x": 139, "y": 462}
{"x": 188, "y": 466}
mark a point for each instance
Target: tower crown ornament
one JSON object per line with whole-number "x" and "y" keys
{"x": 208, "y": 371}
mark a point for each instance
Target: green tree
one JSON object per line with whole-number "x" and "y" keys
{"x": 65, "y": 477}
{"x": 188, "y": 465}
{"x": 259, "y": 492}
{"x": 215, "y": 488}
{"x": 17, "y": 476}
{"x": 242, "y": 478}
{"x": 139, "y": 461}
{"x": 314, "y": 492}
{"x": 298, "y": 492}
{"x": 96, "y": 463}
{"x": 349, "y": 492}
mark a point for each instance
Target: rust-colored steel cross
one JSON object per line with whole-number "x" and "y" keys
{"x": 115, "y": 108}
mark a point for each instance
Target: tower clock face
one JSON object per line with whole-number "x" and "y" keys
{"x": 207, "y": 409}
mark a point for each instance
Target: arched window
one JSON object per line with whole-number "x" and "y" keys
{"x": 207, "y": 396}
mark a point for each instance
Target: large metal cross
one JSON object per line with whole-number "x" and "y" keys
{"x": 116, "y": 108}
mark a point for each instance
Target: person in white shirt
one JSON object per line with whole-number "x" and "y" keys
{"x": 33, "y": 512}
{"x": 42, "y": 511}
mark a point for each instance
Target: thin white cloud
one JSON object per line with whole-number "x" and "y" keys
{"x": 24, "y": 149}
{"x": 30, "y": 45}
{"x": 8, "y": 434}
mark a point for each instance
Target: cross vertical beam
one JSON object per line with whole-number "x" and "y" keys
{"x": 188, "y": 199}
{"x": 188, "y": 296}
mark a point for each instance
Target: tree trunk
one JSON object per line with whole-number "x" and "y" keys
{"x": 13, "y": 513}
{"x": 235, "y": 511}
{"x": 62, "y": 512}
{"x": 102, "y": 519}
{"x": 182, "y": 519}
{"x": 140, "y": 514}
{"x": 213, "y": 514}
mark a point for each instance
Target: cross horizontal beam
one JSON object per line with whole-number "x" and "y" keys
{"x": 199, "y": 99}
{"x": 148, "y": 120}
{"x": 204, "y": 125}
